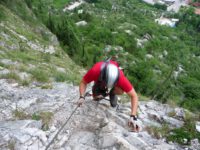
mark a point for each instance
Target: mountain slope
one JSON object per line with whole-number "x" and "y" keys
{"x": 29, "y": 51}
{"x": 161, "y": 61}
{"x": 34, "y": 104}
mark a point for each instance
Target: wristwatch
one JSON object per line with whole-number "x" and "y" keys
{"x": 82, "y": 97}
{"x": 134, "y": 117}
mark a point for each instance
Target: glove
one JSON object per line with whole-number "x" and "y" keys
{"x": 135, "y": 124}
{"x": 80, "y": 101}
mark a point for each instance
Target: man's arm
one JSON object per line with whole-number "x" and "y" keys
{"x": 82, "y": 87}
{"x": 133, "y": 121}
{"x": 134, "y": 101}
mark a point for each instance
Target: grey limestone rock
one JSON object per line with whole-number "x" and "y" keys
{"x": 94, "y": 126}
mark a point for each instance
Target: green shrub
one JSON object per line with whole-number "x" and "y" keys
{"x": 29, "y": 3}
{"x": 188, "y": 131}
{"x": 92, "y": 1}
{"x": 160, "y": 6}
{"x": 60, "y": 3}
{"x": 191, "y": 90}
{"x": 191, "y": 104}
{"x": 102, "y": 34}
{"x": 85, "y": 16}
{"x": 36, "y": 116}
{"x": 67, "y": 33}
{"x": 2, "y": 14}
{"x": 190, "y": 19}
{"x": 142, "y": 77}
{"x": 178, "y": 135}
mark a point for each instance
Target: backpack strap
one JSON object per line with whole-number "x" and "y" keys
{"x": 102, "y": 76}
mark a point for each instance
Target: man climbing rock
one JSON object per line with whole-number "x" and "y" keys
{"x": 109, "y": 80}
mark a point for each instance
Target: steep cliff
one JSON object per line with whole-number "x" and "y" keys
{"x": 38, "y": 93}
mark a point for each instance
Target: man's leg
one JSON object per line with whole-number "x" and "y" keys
{"x": 113, "y": 95}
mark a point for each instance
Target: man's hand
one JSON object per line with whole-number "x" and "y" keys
{"x": 80, "y": 101}
{"x": 135, "y": 124}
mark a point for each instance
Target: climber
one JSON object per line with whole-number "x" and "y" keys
{"x": 109, "y": 80}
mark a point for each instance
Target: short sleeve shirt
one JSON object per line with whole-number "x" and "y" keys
{"x": 94, "y": 73}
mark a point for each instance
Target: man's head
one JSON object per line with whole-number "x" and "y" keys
{"x": 112, "y": 75}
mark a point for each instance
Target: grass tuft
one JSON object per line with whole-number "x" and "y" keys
{"x": 20, "y": 114}
{"x": 45, "y": 117}
{"x": 40, "y": 75}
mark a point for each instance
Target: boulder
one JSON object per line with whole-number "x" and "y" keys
{"x": 198, "y": 126}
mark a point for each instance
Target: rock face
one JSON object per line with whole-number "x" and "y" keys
{"x": 94, "y": 126}
{"x": 22, "y": 134}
